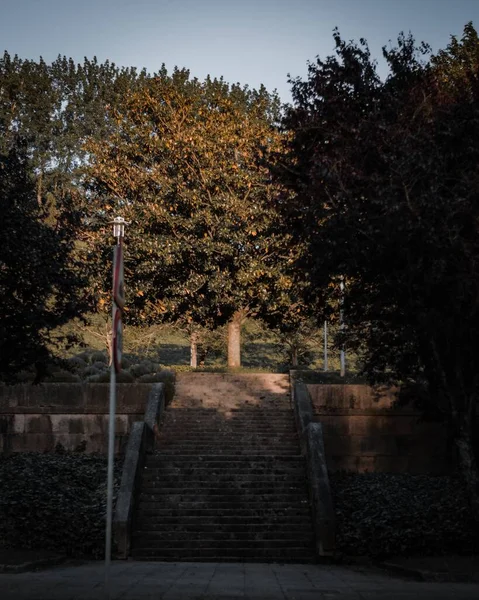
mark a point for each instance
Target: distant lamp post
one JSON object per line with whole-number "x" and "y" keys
{"x": 116, "y": 352}
{"x": 341, "y": 321}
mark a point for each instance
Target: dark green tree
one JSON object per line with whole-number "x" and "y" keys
{"x": 386, "y": 194}
{"x": 40, "y": 285}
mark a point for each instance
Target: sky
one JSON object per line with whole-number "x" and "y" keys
{"x": 247, "y": 41}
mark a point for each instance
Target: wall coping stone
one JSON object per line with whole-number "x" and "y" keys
{"x": 320, "y": 491}
{"x": 312, "y": 447}
{"x": 141, "y": 440}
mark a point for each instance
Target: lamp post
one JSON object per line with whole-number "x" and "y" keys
{"x": 325, "y": 347}
{"x": 115, "y": 367}
{"x": 341, "y": 321}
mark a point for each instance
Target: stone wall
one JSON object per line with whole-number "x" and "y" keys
{"x": 36, "y": 418}
{"x": 363, "y": 432}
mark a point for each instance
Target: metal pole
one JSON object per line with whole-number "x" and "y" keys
{"x": 325, "y": 367}
{"x": 341, "y": 320}
{"x": 111, "y": 458}
{"x": 118, "y": 232}
{"x": 111, "y": 454}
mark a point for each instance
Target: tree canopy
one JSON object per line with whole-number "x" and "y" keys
{"x": 186, "y": 164}
{"x": 386, "y": 194}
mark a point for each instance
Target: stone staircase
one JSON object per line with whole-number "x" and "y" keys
{"x": 227, "y": 481}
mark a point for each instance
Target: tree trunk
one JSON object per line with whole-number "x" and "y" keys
{"x": 234, "y": 340}
{"x": 40, "y": 189}
{"x": 194, "y": 350}
{"x": 294, "y": 357}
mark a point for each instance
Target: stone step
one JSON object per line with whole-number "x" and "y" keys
{"x": 189, "y": 438}
{"x": 223, "y": 469}
{"x": 217, "y": 514}
{"x": 279, "y": 449}
{"x": 232, "y": 465}
{"x": 279, "y": 555}
{"x": 196, "y": 524}
{"x": 226, "y": 490}
{"x": 226, "y": 495}
{"x": 268, "y": 459}
{"x": 205, "y": 451}
{"x": 155, "y": 540}
{"x": 223, "y": 482}
{"x": 217, "y": 506}
{"x": 160, "y": 539}
{"x": 185, "y": 407}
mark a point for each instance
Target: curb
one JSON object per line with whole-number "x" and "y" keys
{"x": 422, "y": 574}
{"x": 31, "y": 565}
{"x": 406, "y": 571}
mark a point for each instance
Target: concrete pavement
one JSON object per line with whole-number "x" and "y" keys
{"x": 222, "y": 581}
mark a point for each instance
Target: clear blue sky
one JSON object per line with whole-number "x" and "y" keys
{"x": 250, "y": 41}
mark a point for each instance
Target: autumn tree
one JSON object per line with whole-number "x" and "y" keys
{"x": 186, "y": 165}
{"x": 385, "y": 181}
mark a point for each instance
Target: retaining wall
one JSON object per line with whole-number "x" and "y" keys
{"x": 364, "y": 432}
{"x": 36, "y": 418}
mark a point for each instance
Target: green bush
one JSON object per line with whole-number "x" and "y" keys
{"x": 144, "y": 368}
{"x": 63, "y": 376}
{"x": 121, "y": 377}
{"x": 55, "y": 502}
{"x": 381, "y": 515}
{"x": 99, "y": 357}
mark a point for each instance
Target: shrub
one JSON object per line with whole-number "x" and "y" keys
{"x": 144, "y": 368}
{"x": 76, "y": 363}
{"x": 63, "y": 376}
{"x": 89, "y": 371}
{"x": 380, "y": 515}
{"x": 99, "y": 357}
{"x": 55, "y": 502}
{"x": 121, "y": 377}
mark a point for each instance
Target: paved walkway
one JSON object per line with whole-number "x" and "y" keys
{"x": 222, "y": 581}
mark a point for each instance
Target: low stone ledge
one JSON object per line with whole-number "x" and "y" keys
{"x": 154, "y": 411}
{"x": 312, "y": 447}
{"x": 319, "y": 489}
{"x": 132, "y": 466}
{"x": 303, "y": 411}
{"x": 140, "y": 441}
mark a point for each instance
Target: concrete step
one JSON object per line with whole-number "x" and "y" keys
{"x": 152, "y": 509}
{"x": 192, "y": 507}
{"x": 211, "y": 488}
{"x": 224, "y": 524}
{"x": 224, "y": 469}
{"x": 178, "y": 539}
{"x": 228, "y": 482}
{"x": 234, "y": 497}
{"x": 279, "y": 555}
{"x": 157, "y": 543}
{"x": 195, "y": 438}
{"x": 252, "y": 458}
{"x": 170, "y": 450}
{"x": 244, "y": 517}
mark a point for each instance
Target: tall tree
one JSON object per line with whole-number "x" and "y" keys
{"x": 40, "y": 284}
{"x": 385, "y": 178}
{"x": 186, "y": 165}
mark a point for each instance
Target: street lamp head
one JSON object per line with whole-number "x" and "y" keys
{"x": 119, "y": 227}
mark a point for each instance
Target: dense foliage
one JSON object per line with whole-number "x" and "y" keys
{"x": 386, "y": 195}
{"x": 40, "y": 283}
{"x": 46, "y": 113}
{"x": 186, "y": 165}
{"x": 54, "y": 502}
{"x": 382, "y": 515}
